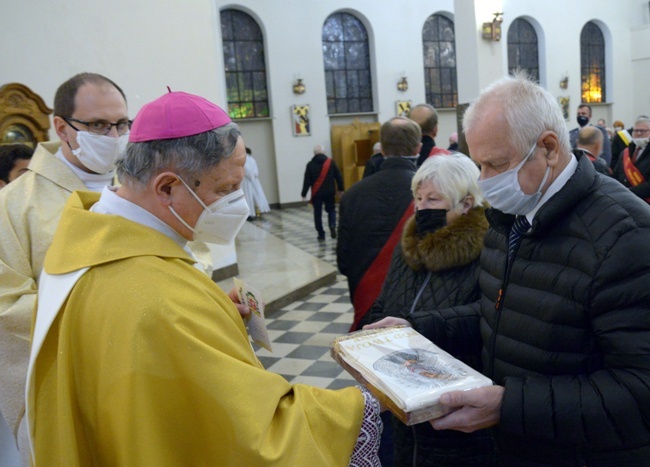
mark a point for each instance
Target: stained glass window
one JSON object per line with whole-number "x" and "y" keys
{"x": 592, "y": 63}
{"x": 243, "y": 56}
{"x": 439, "y": 47}
{"x": 522, "y": 49}
{"x": 346, "y": 60}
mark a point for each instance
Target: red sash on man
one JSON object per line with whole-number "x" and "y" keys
{"x": 633, "y": 175}
{"x": 370, "y": 284}
{"x": 436, "y": 151}
{"x": 321, "y": 177}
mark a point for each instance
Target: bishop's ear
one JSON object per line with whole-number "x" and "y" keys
{"x": 164, "y": 185}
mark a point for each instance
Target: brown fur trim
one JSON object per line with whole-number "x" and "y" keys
{"x": 452, "y": 246}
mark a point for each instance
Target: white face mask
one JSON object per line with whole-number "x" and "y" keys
{"x": 220, "y": 221}
{"x": 99, "y": 152}
{"x": 640, "y": 142}
{"x": 504, "y": 193}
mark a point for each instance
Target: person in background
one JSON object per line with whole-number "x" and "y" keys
{"x": 621, "y": 140}
{"x": 139, "y": 351}
{"x": 633, "y": 167}
{"x": 436, "y": 265}
{"x": 14, "y": 159}
{"x": 619, "y": 125}
{"x": 252, "y": 188}
{"x": 590, "y": 143}
{"x": 374, "y": 163}
{"x": 373, "y": 213}
{"x": 602, "y": 123}
{"x": 426, "y": 116}
{"x": 563, "y": 322}
{"x": 583, "y": 118}
{"x": 92, "y": 122}
{"x": 453, "y": 142}
{"x": 325, "y": 180}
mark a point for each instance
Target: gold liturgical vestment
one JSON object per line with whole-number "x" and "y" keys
{"x": 148, "y": 363}
{"x": 30, "y": 208}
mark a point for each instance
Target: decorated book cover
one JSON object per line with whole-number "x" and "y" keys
{"x": 405, "y": 370}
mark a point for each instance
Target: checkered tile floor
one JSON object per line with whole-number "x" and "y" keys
{"x": 296, "y": 226}
{"x": 301, "y": 332}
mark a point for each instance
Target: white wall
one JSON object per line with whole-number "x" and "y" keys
{"x": 640, "y": 56}
{"x": 562, "y": 23}
{"x": 293, "y": 33}
{"x": 145, "y": 45}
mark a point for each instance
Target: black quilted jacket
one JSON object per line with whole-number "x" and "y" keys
{"x": 571, "y": 342}
{"x": 437, "y": 270}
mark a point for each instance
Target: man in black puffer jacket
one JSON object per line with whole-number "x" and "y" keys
{"x": 565, "y": 322}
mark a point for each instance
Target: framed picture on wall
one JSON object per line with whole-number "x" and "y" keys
{"x": 300, "y": 120}
{"x": 403, "y": 108}
{"x": 564, "y": 105}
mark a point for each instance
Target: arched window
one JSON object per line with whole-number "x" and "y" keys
{"x": 243, "y": 56}
{"x": 439, "y": 47}
{"x": 592, "y": 63}
{"x": 346, "y": 60}
{"x": 523, "y": 51}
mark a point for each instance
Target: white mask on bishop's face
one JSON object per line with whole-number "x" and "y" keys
{"x": 219, "y": 222}
{"x": 99, "y": 152}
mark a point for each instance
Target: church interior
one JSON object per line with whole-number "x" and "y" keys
{"x": 296, "y": 74}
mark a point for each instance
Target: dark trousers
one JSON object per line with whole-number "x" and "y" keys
{"x": 330, "y": 208}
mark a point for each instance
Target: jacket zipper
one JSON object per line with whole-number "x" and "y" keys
{"x": 419, "y": 294}
{"x": 498, "y": 306}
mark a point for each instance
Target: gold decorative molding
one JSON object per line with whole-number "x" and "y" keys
{"x": 24, "y": 117}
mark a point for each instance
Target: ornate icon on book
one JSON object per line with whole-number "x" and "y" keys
{"x": 404, "y": 370}
{"x": 419, "y": 367}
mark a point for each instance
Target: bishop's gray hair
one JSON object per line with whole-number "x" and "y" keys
{"x": 189, "y": 156}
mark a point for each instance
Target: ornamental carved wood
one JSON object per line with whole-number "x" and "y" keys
{"x": 24, "y": 117}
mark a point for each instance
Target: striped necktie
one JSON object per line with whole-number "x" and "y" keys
{"x": 520, "y": 227}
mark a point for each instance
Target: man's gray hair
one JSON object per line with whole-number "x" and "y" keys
{"x": 190, "y": 156}
{"x": 528, "y": 109}
{"x": 319, "y": 149}
{"x": 455, "y": 176}
{"x": 642, "y": 119}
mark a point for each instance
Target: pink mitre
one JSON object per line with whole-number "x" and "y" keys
{"x": 175, "y": 115}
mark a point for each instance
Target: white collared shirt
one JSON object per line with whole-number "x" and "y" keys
{"x": 556, "y": 186}
{"x": 111, "y": 203}
{"x": 94, "y": 182}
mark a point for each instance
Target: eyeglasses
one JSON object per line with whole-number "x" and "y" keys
{"x": 102, "y": 127}
{"x": 641, "y": 131}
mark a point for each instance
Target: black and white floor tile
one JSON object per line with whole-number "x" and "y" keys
{"x": 301, "y": 332}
